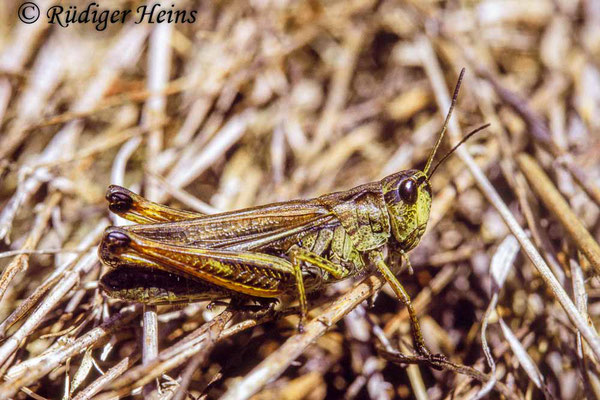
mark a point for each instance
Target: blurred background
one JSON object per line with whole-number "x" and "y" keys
{"x": 262, "y": 101}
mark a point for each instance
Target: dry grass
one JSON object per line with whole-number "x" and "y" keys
{"x": 269, "y": 101}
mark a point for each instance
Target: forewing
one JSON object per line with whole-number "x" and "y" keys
{"x": 248, "y": 229}
{"x": 136, "y": 208}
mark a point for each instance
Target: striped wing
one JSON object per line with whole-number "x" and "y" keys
{"x": 247, "y": 229}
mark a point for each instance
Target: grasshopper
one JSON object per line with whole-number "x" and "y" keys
{"x": 265, "y": 252}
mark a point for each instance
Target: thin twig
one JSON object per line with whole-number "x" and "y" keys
{"x": 540, "y": 132}
{"x": 433, "y": 69}
{"x": 21, "y": 261}
{"x": 402, "y": 359}
{"x": 277, "y": 362}
{"x": 553, "y": 200}
{"x": 28, "y": 372}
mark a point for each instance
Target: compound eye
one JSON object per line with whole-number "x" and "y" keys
{"x": 408, "y": 191}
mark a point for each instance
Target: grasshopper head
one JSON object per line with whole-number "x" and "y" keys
{"x": 407, "y": 197}
{"x": 407, "y": 193}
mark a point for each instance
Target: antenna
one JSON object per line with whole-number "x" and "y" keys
{"x": 439, "y": 141}
{"x": 448, "y": 154}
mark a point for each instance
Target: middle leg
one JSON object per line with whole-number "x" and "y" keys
{"x": 298, "y": 255}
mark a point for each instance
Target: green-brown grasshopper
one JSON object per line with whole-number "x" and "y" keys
{"x": 265, "y": 252}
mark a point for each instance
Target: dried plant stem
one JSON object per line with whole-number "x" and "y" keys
{"x": 500, "y": 265}
{"x": 65, "y": 140}
{"x": 159, "y": 62}
{"x": 97, "y": 385}
{"x": 400, "y": 358}
{"x": 46, "y": 75}
{"x": 589, "y": 334}
{"x": 339, "y": 89}
{"x": 416, "y": 379}
{"x": 186, "y": 170}
{"x": 28, "y": 372}
{"x": 179, "y": 194}
{"x": 68, "y": 281}
{"x": 88, "y": 241}
{"x": 583, "y": 351}
{"x": 30, "y": 185}
{"x": 553, "y": 200}
{"x": 540, "y": 132}
{"x": 15, "y": 55}
{"x": 201, "y": 340}
{"x": 186, "y": 376}
{"x": 27, "y": 305}
{"x": 174, "y": 87}
{"x": 277, "y": 362}
{"x": 20, "y": 262}
{"x": 433, "y": 70}
{"x": 150, "y": 339}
